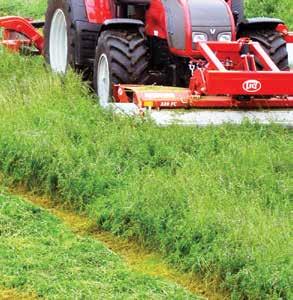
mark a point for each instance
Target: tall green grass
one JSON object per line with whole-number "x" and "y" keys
{"x": 215, "y": 200}
{"x": 24, "y": 8}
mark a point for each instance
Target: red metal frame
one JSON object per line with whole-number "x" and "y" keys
{"x": 229, "y": 75}
{"x": 233, "y": 79}
{"x": 19, "y": 32}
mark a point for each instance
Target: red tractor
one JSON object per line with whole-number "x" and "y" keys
{"x": 205, "y": 51}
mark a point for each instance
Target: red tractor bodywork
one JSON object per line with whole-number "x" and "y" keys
{"x": 156, "y": 20}
{"x": 98, "y": 11}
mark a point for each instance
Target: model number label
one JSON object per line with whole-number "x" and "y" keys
{"x": 168, "y": 104}
{"x": 251, "y": 86}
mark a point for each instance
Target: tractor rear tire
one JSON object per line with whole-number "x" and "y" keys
{"x": 122, "y": 57}
{"x": 60, "y": 33}
{"x": 274, "y": 45}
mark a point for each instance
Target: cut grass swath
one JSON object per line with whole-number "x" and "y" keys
{"x": 41, "y": 257}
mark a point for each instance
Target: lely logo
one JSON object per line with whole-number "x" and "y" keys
{"x": 251, "y": 86}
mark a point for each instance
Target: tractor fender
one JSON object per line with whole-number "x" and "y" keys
{"x": 258, "y": 23}
{"x": 121, "y": 23}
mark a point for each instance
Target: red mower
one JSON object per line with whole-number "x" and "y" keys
{"x": 167, "y": 54}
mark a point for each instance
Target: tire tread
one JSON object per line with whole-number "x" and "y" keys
{"x": 273, "y": 43}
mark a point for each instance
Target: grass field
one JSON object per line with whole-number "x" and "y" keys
{"x": 271, "y": 8}
{"x": 25, "y": 8}
{"x": 215, "y": 201}
{"x": 41, "y": 258}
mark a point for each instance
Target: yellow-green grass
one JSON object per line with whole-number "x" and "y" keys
{"x": 41, "y": 257}
{"x": 24, "y": 8}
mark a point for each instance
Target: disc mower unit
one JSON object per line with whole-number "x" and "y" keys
{"x": 165, "y": 54}
{"x": 19, "y": 33}
{"x": 242, "y": 84}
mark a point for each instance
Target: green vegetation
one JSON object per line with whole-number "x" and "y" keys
{"x": 24, "y": 8}
{"x": 271, "y": 8}
{"x": 213, "y": 200}
{"x": 38, "y": 254}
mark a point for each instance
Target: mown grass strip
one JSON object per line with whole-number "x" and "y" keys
{"x": 41, "y": 256}
{"x": 137, "y": 258}
{"x": 12, "y": 294}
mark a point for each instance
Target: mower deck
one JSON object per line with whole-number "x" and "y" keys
{"x": 163, "y": 97}
{"x": 172, "y": 105}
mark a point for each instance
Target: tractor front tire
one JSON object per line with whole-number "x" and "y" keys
{"x": 60, "y": 34}
{"x": 121, "y": 58}
{"x": 273, "y": 43}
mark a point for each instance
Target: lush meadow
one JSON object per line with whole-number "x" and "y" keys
{"x": 271, "y": 8}
{"x": 215, "y": 200}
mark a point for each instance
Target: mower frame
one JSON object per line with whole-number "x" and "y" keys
{"x": 19, "y": 32}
